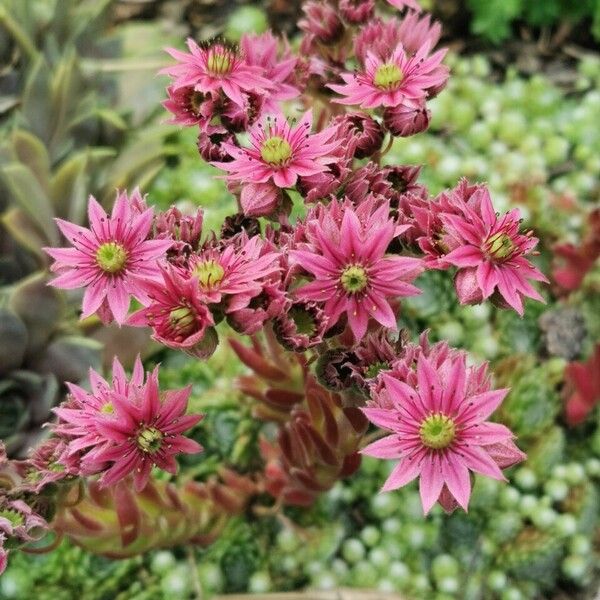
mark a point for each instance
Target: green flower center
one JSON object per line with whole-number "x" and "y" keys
{"x": 209, "y": 272}
{"x": 111, "y": 257}
{"x": 499, "y": 246}
{"x": 388, "y": 76}
{"x": 149, "y": 440}
{"x": 220, "y": 61}
{"x": 182, "y": 319}
{"x": 107, "y": 409}
{"x": 275, "y": 151}
{"x": 354, "y": 279}
{"x": 437, "y": 431}
{"x": 303, "y": 320}
{"x": 375, "y": 368}
{"x": 15, "y": 518}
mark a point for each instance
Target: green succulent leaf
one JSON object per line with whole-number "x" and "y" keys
{"x": 31, "y": 151}
{"x": 39, "y": 307}
{"x": 66, "y": 88}
{"x": 68, "y": 188}
{"x": 35, "y": 104}
{"x": 28, "y": 194}
{"x": 24, "y": 231}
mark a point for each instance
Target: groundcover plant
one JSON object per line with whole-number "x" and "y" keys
{"x": 313, "y": 270}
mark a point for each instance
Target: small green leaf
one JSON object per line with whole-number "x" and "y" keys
{"x": 68, "y": 189}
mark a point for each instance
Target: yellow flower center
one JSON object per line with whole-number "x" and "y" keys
{"x": 354, "y": 279}
{"x": 499, "y": 246}
{"x": 275, "y": 151}
{"x": 111, "y": 257}
{"x": 209, "y": 272}
{"x": 149, "y": 440}
{"x": 182, "y": 320}
{"x": 437, "y": 431}
{"x": 388, "y": 77}
{"x": 220, "y": 61}
{"x": 107, "y": 409}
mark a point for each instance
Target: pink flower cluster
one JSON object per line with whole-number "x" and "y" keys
{"x": 329, "y": 281}
{"x": 124, "y": 428}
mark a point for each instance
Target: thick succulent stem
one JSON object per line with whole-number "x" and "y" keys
{"x": 117, "y": 522}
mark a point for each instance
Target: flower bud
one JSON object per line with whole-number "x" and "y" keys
{"x": 467, "y": 288}
{"x": 210, "y": 145}
{"x": 322, "y": 21}
{"x": 260, "y": 199}
{"x": 364, "y": 132}
{"x": 406, "y": 119}
{"x": 357, "y": 12}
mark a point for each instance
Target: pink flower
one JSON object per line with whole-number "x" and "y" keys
{"x": 262, "y": 51}
{"x": 3, "y": 555}
{"x": 215, "y": 66}
{"x": 346, "y": 254}
{"x": 321, "y": 22}
{"x": 393, "y": 81}
{"x": 381, "y": 37}
{"x": 186, "y": 105}
{"x": 492, "y": 247}
{"x": 128, "y": 428}
{"x": 237, "y": 269}
{"x": 112, "y": 259}
{"x": 280, "y": 152}
{"x": 357, "y": 11}
{"x": 439, "y": 431}
{"x": 178, "y": 317}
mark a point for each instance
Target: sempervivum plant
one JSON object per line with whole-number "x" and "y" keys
{"x": 38, "y": 353}
{"x": 63, "y": 135}
{"x": 327, "y": 246}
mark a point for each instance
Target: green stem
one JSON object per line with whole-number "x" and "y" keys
{"x": 20, "y": 36}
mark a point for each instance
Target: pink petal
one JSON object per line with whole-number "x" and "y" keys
{"x": 431, "y": 482}
{"x": 479, "y": 460}
{"x": 404, "y": 472}
{"x": 386, "y": 447}
{"x": 457, "y": 478}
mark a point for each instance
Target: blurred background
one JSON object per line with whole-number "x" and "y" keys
{"x": 80, "y": 114}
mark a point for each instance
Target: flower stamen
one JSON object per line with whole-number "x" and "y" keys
{"x": 149, "y": 440}
{"x": 388, "y": 77}
{"x": 437, "y": 431}
{"x": 276, "y": 151}
{"x": 111, "y": 257}
{"x": 354, "y": 279}
{"x": 209, "y": 273}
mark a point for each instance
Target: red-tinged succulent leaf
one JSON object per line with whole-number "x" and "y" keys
{"x": 357, "y": 419}
{"x": 256, "y": 362}
{"x": 87, "y": 522}
{"x": 127, "y": 514}
{"x": 308, "y": 480}
{"x": 283, "y": 398}
{"x": 324, "y": 451}
{"x": 117, "y": 522}
{"x": 351, "y": 464}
